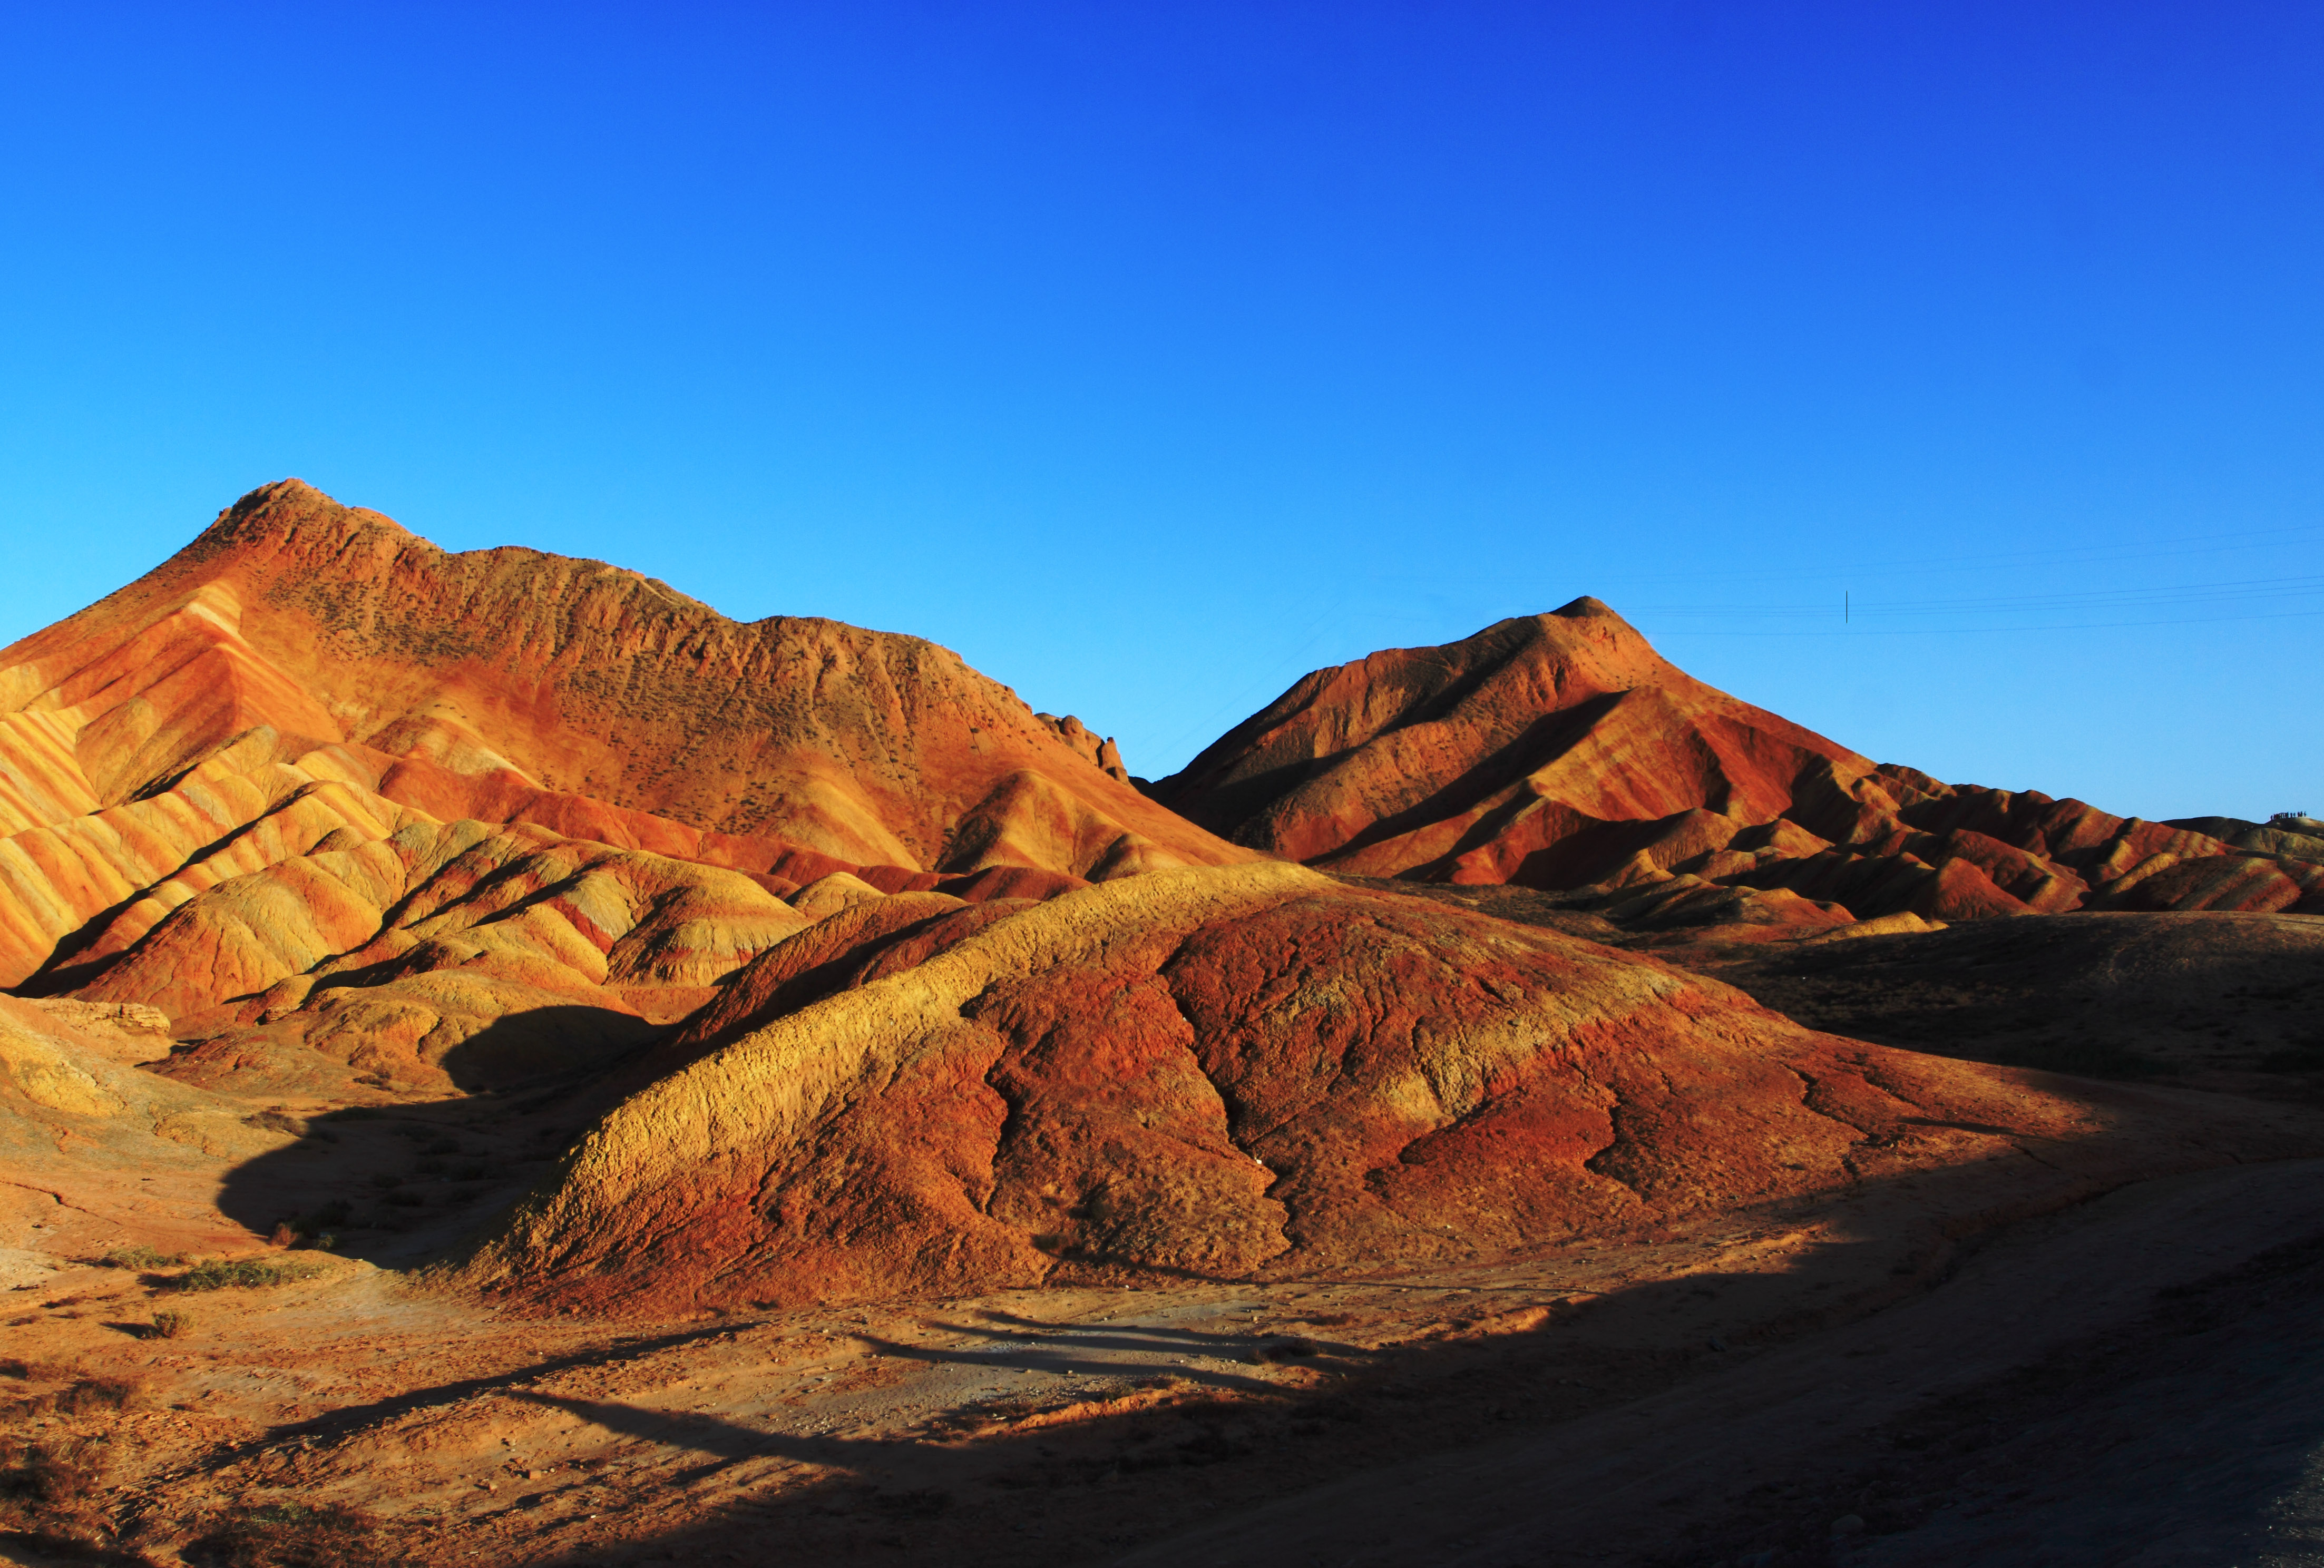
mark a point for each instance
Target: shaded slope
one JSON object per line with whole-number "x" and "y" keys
{"x": 2220, "y": 1001}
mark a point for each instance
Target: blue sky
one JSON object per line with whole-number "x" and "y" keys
{"x": 1151, "y": 356}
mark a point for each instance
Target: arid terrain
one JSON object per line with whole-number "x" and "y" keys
{"x": 501, "y": 1062}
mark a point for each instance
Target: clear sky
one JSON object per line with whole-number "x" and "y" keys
{"x": 1152, "y": 355}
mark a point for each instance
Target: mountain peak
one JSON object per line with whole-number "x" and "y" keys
{"x": 291, "y": 509}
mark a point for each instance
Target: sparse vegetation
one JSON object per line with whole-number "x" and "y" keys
{"x": 291, "y": 1535}
{"x": 78, "y": 1396}
{"x": 140, "y": 1257}
{"x": 242, "y": 1274}
{"x": 49, "y": 1486}
{"x": 168, "y": 1325}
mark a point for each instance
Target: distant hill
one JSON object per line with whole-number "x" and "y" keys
{"x": 1560, "y": 750}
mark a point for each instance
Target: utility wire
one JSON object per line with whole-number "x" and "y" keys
{"x": 1991, "y": 630}
{"x": 2244, "y": 589}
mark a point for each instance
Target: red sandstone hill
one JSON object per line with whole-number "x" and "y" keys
{"x": 307, "y": 679}
{"x": 1562, "y": 751}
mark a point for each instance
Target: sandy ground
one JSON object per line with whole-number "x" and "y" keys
{"x": 1722, "y": 1394}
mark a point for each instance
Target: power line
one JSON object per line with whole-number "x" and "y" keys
{"x": 1992, "y": 631}
{"x": 2243, "y": 589}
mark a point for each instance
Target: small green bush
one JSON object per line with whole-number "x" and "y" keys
{"x": 246, "y": 1273}
{"x": 172, "y": 1325}
{"x": 140, "y": 1257}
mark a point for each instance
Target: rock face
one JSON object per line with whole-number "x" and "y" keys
{"x": 307, "y": 694}
{"x": 1560, "y": 750}
{"x": 1205, "y": 1073}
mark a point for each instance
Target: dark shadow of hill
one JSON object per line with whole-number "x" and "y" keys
{"x": 2212, "y": 1000}
{"x": 396, "y": 1182}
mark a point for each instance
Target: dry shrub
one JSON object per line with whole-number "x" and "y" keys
{"x": 247, "y": 1273}
{"x": 291, "y": 1536}
{"x": 170, "y": 1325}
{"x": 49, "y": 1490}
{"x": 51, "y": 1472}
{"x": 140, "y": 1257}
{"x": 80, "y": 1396}
{"x": 89, "y": 1395}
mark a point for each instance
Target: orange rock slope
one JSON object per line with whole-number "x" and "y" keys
{"x": 1560, "y": 750}
{"x": 235, "y": 767}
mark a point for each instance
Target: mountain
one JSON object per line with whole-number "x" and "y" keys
{"x": 310, "y": 679}
{"x": 1560, "y": 750}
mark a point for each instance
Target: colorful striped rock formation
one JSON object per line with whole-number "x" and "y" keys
{"x": 313, "y": 746}
{"x": 1560, "y": 750}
